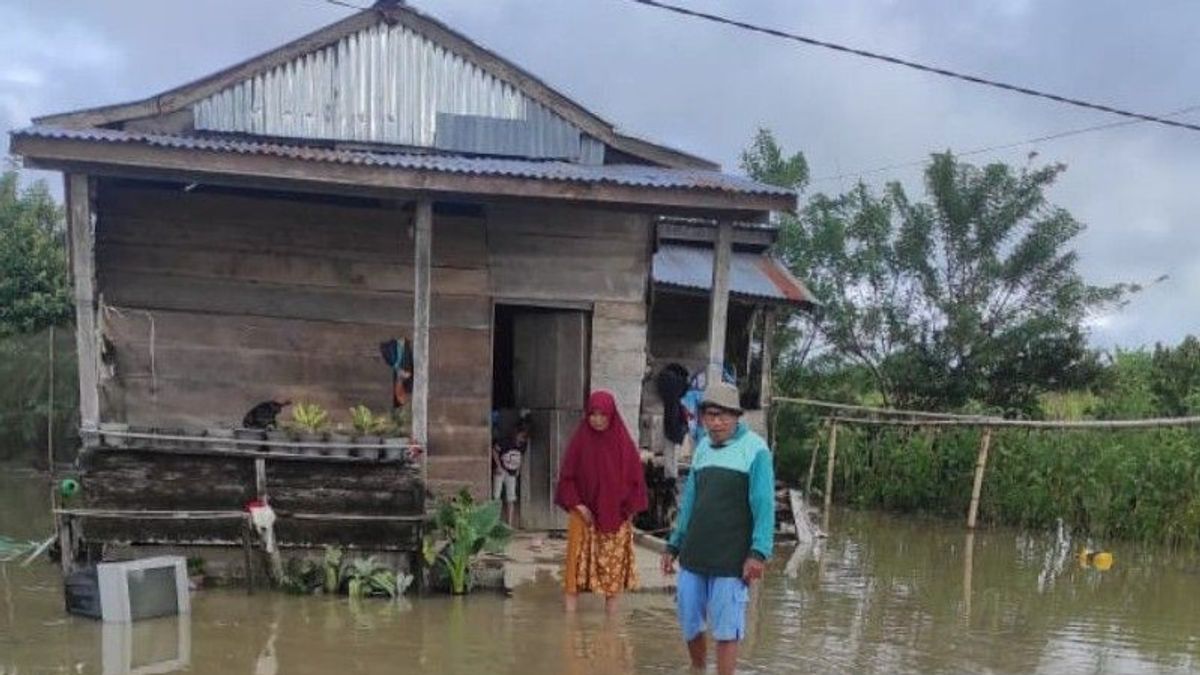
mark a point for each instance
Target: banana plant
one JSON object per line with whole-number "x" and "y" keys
{"x": 333, "y": 569}
{"x": 462, "y": 529}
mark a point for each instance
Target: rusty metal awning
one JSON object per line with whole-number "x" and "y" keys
{"x": 752, "y": 276}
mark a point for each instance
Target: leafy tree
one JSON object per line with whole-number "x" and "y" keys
{"x": 970, "y": 296}
{"x": 34, "y": 287}
{"x": 1175, "y": 378}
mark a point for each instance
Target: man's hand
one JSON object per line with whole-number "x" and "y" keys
{"x": 752, "y": 569}
{"x": 585, "y": 512}
{"x": 668, "y": 563}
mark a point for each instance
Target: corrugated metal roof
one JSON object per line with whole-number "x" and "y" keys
{"x": 629, "y": 175}
{"x": 751, "y": 275}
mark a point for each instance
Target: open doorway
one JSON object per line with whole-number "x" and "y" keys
{"x": 539, "y": 365}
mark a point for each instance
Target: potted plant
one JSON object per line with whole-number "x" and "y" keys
{"x": 221, "y": 438}
{"x": 309, "y": 421}
{"x": 243, "y": 433}
{"x": 107, "y": 428}
{"x": 339, "y": 436}
{"x": 367, "y": 427}
{"x": 195, "y": 572}
{"x": 462, "y": 529}
{"x": 396, "y": 435}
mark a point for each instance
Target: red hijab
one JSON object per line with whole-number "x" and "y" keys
{"x": 602, "y": 469}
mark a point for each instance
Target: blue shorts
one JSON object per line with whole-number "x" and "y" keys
{"x": 716, "y": 602}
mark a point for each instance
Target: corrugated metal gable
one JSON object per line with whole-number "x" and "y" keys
{"x": 389, "y": 84}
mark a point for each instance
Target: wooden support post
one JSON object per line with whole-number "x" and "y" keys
{"x": 719, "y": 302}
{"x": 671, "y": 454}
{"x": 247, "y": 556}
{"x": 765, "y": 384}
{"x": 50, "y": 408}
{"x": 260, "y": 478}
{"x": 66, "y": 544}
{"x": 422, "y": 261}
{"x": 968, "y": 574}
{"x": 768, "y": 357}
{"x": 980, "y": 464}
{"x": 81, "y": 225}
{"x": 833, "y": 429}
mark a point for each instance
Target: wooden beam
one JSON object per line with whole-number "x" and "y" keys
{"x": 81, "y": 225}
{"x": 422, "y": 257}
{"x": 202, "y": 164}
{"x": 719, "y": 302}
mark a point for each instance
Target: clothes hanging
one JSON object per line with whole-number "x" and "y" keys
{"x": 397, "y": 353}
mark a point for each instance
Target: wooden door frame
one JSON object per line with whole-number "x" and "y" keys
{"x": 587, "y": 309}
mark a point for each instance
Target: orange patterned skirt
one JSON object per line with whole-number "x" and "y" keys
{"x": 598, "y": 562}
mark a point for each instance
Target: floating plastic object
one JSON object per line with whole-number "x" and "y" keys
{"x": 1101, "y": 560}
{"x": 68, "y": 488}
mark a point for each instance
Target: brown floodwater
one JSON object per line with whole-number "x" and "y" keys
{"x": 882, "y": 594}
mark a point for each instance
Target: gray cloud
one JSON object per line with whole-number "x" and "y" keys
{"x": 705, "y": 88}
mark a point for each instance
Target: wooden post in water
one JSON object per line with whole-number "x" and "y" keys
{"x": 812, "y": 463}
{"x": 980, "y": 464}
{"x": 833, "y": 428}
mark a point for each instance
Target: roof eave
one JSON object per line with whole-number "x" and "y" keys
{"x": 250, "y": 169}
{"x": 806, "y": 305}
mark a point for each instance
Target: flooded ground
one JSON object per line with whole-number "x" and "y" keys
{"x": 883, "y": 594}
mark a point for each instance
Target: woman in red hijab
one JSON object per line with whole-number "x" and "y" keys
{"x": 602, "y": 487}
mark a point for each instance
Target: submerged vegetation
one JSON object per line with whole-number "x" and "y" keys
{"x": 335, "y": 574}
{"x": 462, "y": 529}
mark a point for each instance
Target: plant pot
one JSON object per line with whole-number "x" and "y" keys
{"x": 249, "y": 435}
{"x": 113, "y": 441}
{"x": 311, "y": 443}
{"x": 341, "y": 439}
{"x": 394, "y": 449}
{"x": 220, "y": 439}
{"x": 278, "y": 436}
{"x": 368, "y": 452}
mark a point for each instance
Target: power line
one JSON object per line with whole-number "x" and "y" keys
{"x": 1003, "y": 146}
{"x": 339, "y": 3}
{"x": 917, "y": 66}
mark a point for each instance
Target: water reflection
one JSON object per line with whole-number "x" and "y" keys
{"x": 596, "y": 648}
{"x": 150, "y": 647}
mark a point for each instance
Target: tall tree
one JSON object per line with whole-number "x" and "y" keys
{"x": 34, "y": 286}
{"x": 970, "y": 296}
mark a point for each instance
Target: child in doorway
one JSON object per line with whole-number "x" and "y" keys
{"x": 507, "y": 455}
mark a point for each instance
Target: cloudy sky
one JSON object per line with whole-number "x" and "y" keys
{"x": 706, "y": 88}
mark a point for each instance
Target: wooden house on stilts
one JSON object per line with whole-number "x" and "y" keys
{"x": 256, "y": 235}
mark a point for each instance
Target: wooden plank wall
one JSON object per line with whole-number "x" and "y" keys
{"x": 585, "y": 256}
{"x": 213, "y": 302}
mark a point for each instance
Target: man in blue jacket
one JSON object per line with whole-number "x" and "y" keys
{"x": 725, "y": 529}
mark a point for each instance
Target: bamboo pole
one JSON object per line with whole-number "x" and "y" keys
{"x": 1154, "y": 423}
{"x": 812, "y": 465}
{"x": 833, "y": 429}
{"x": 980, "y": 464}
{"x": 829, "y": 405}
